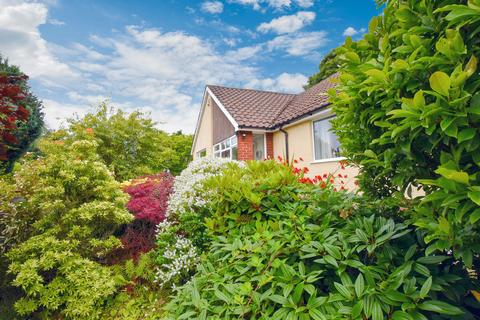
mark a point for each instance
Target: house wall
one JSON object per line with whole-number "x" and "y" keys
{"x": 300, "y": 140}
{"x": 222, "y": 127}
{"x": 245, "y": 145}
{"x": 204, "y": 138}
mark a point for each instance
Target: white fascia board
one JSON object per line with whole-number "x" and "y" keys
{"x": 224, "y": 110}
{"x": 199, "y": 119}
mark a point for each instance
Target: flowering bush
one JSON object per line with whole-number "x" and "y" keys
{"x": 283, "y": 249}
{"x": 181, "y": 235}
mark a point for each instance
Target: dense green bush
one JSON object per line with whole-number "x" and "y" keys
{"x": 129, "y": 144}
{"x": 408, "y": 113}
{"x": 74, "y": 206}
{"x": 281, "y": 249}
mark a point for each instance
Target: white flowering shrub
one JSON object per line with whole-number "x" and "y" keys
{"x": 180, "y": 237}
{"x": 188, "y": 193}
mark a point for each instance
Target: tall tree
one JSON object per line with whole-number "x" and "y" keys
{"x": 21, "y": 117}
{"x": 130, "y": 144}
{"x": 328, "y": 66}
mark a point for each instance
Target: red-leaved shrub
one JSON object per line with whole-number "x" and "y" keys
{"x": 148, "y": 203}
{"x": 149, "y": 197}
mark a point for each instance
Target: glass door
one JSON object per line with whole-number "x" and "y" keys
{"x": 259, "y": 146}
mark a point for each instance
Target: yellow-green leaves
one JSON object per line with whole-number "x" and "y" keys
{"x": 419, "y": 99}
{"x": 440, "y": 83}
{"x": 457, "y": 176}
{"x": 471, "y": 66}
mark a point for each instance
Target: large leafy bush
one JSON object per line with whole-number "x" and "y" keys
{"x": 130, "y": 144}
{"x": 75, "y": 205}
{"x": 408, "y": 113}
{"x": 282, "y": 249}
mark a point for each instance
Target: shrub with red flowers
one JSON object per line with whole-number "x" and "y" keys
{"x": 11, "y": 110}
{"x": 148, "y": 203}
{"x": 336, "y": 179}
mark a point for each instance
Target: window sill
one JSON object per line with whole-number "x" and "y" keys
{"x": 328, "y": 160}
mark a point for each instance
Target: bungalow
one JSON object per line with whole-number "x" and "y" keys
{"x": 247, "y": 124}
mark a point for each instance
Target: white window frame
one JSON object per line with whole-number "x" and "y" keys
{"x": 334, "y": 159}
{"x": 264, "y": 143}
{"x": 218, "y": 153}
{"x": 199, "y": 153}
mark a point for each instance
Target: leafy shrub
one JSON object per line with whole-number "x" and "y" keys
{"x": 181, "y": 235}
{"x": 75, "y": 207}
{"x": 139, "y": 298}
{"x": 148, "y": 203}
{"x": 13, "y": 111}
{"x": 22, "y": 121}
{"x": 282, "y": 249}
{"x": 149, "y": 197}
{"x": 408, "y": 112}
{"x": 129, "y": 144}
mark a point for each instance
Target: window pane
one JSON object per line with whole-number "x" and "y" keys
{"x": 216, "y": 147}
{"x": 226, "y": 154}
{"x": 325, "y": 142}
{"x": 234, "y": 153}
{"x": 259, "y": 146}
{"x": 234, "y": 141}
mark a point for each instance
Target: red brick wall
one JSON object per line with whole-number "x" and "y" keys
{"x": 269, "y": 137}
{"x": 245, "y": 145}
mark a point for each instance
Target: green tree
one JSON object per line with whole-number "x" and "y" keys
{"x": 408, "y": 112}
{"x": 75, "y": 206}
{"x": 24, "y": 133}
{"x": 328, "y": 66}
{"x": 129, "y": 144}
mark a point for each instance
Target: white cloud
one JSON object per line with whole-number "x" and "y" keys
{"x": 163, "y": 73}
{"x": 56, "y": 22}
{"x": 288, "y": 24}
{"x": 212, "y": 7}
{"x": 286, "y": 82}
{"x": 299, "y": 44}
{"x": 275, "y": 4}
{"x": 305, "y": 3}
{"x": 23, "y": 45}
{"x": 351, "y": 31}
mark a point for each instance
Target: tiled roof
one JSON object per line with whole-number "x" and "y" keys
{"x": 265, "y": 109}
{"x": 252, "y": 108}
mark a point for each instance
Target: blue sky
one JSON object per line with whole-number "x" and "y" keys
{"x": 157, "y": 56}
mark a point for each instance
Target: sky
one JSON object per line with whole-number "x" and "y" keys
{"x": 156, "y": 56}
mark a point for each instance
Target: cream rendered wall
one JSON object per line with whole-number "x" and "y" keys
{"x": 300, "y": 141}
{"x": 205, "y": 131}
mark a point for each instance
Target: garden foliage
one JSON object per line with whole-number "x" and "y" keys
{"x": 148, "y": 203}
{"x": 181, "y": 236}
{"x": 24, "y": 107}
{"x": 408, "y": 110}
{"x": 282, "y": 249}
{"x": 74, "y": 206}
{"x": 21, "y": 120}
{"x": 130, "y": 145}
